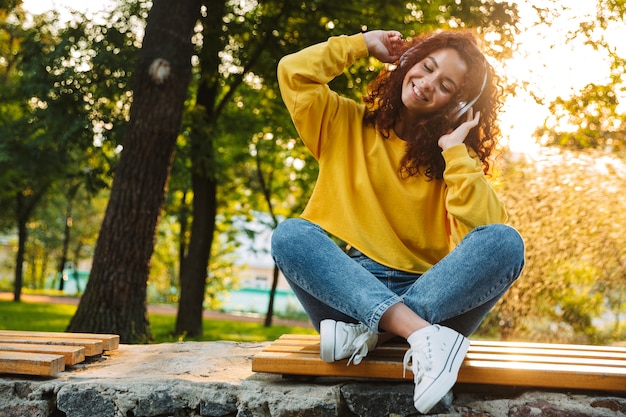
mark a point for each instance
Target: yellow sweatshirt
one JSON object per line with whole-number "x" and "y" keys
{"x": 407, "y": 224}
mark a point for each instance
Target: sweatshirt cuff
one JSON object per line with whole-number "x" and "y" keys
{"x": 455, "y": 152}
{"x": 357, "y": 42}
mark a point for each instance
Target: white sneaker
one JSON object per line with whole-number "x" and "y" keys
{"x": 339, "y": 340}
{"x": 434, "y": 358}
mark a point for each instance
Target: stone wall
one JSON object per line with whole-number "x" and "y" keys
{"x": 213, "y": 379}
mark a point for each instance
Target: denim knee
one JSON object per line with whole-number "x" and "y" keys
{"x": 507, "y": 244}
{"x": 281, "y": 237}
{"x": 288, "y": 233}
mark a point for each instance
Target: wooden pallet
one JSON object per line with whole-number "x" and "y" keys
{"x": 48, "y": 353}
{"x": 494, "y": 363}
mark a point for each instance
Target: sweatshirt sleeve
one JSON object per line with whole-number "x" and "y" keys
{"x": 303, "y": 78}
{"x": 470, "y": 199}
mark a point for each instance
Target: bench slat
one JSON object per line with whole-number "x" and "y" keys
{"x": 559, "y": 346}
{"x": 544, "y": 375}
{"x": 72, "y": 354}
{"x": 92, "y": 346}
{"x": 545, "y": 359}
{"x": 31, "y": 363}
{"x": 499, "y": 363}
{"x": 567, "y": 353}
{"x": 109, "y": 341}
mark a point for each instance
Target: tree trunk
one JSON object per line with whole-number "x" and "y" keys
{"x": 19, "y": 259}
{"x": 24, "y": 209}
{"x": 204, "y": 184}
{"x": 195, "y": 265}
{"x": 67, "y": 234}
{"x": 115, "y": 297}
{"x": 183, "y": 221}
{"x": 270, "y": 306}
{"x": 75, "y": 274}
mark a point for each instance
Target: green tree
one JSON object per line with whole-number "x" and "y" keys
{"x": 115, "y": 297}
{"x": 9, "y": 4}
{"x": 271, "y": 174}
{"x": 57, "y": 240}
{"x": 44, "y": 124}
{"x": 592, "y": 118}
{"x": 589, "y": 119}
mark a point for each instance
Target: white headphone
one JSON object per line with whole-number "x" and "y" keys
{"x": 463, "y": 106}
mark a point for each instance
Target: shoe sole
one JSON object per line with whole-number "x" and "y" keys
{"x": 327, "y": 333}
{"x": 446, "y": 379}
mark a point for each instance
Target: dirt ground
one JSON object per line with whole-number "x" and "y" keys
{"x": 156, "y": 309}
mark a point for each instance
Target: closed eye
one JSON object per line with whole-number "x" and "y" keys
{"x": 447, "y": 86}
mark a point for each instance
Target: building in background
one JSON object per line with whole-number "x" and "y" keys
{"x": 255, "y": 281}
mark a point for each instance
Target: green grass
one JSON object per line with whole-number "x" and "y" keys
{"x": 56, "y": 317}
{"x": 36, "y": 317}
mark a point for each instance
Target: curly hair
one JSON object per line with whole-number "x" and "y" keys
{"x": 384, "y": 103}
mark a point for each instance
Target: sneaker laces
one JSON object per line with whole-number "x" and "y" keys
{"x": 359, "y": 344}
{"x": 418, "y": 359}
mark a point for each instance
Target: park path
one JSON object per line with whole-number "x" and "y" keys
{"x": 163, "y": 309}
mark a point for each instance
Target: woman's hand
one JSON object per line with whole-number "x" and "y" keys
{"x": 458, "y": 135}
{"x": 384, "y": 45}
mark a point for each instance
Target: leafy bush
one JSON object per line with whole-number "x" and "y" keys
{"x": 570, "y": 209}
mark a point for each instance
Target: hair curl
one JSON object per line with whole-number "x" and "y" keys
{"x": 384, "y": 102}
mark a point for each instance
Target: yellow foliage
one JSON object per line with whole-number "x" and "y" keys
{"x": 571, "y": 210}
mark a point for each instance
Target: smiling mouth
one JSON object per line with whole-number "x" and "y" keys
{"x": 419, "y": 93}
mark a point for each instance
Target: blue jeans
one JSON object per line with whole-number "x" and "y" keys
{"x": 457, "y": 292}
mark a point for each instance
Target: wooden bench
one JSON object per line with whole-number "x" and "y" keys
{"x": 494, "y": 363}
{"x": 48, "y": 353}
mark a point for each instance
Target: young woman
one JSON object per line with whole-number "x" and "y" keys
{"x": 402, "y": 182}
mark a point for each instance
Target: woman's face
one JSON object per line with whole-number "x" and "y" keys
{"x": 432, "y": 82}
